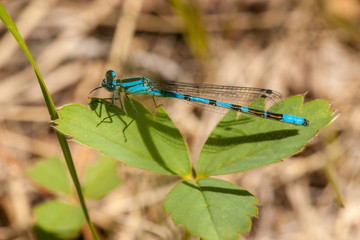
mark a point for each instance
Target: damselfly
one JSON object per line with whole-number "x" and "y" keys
{"x": 216, "y": 96}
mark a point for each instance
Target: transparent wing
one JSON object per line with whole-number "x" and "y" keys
{"x": 230, "y": 94}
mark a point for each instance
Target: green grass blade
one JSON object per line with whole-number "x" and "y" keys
{"x": 194, "y": 31}
{"x": 9, "y": 23}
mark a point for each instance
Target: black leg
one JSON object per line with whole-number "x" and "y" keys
{"x": 122, "y": 111}
{"x": 113, "y": 99}
{"x": 101, "y": 102}
{"x": 121, "y": 103}
{"x": 112, "y": 103}
{"x": 155, "y": 102}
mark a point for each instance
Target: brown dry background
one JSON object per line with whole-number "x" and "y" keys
{"x": 291, "y": 46}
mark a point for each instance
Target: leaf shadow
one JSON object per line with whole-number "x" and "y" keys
{"x": 144, "y": 123}
{"x": 237, "y": 192}
{"x": 252, "y": 138}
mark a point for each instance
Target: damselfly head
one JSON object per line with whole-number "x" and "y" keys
{"x": 109, "y": 76}
{"x": 109, "y": 80}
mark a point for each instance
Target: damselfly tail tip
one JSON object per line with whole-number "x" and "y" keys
{"x": 306, "y": 123}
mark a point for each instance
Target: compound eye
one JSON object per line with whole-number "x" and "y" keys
{"x": 113, "y": 74}
{"x": 110, "y": 75}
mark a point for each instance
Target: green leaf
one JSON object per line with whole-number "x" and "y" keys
{"x": 57, "y": 220}
{"x": 152, "y": 144}
{"x": 51, "y": 173}
{"x": 101, "y": 178}
{"x": 252, "y": 142}
{"x": 212, "y": 208}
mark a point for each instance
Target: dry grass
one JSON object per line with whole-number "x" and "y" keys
{"x": 291, "y": 46}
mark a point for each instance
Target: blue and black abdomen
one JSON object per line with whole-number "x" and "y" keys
{"x": 264, "y": 114}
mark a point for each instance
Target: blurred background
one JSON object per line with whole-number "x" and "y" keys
{"x": 294, "y": 47}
